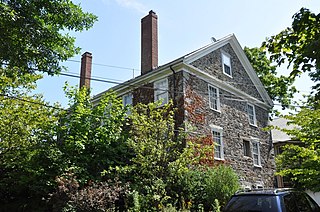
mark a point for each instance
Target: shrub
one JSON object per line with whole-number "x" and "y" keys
{"x": 206, "y": 186}
{"x": 103, "y": 196}
{"x": 220, "y": 183}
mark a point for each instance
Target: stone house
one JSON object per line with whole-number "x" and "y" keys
{"x": 219, "y": 84}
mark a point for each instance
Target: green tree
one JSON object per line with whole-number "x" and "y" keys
{"x": 32, "y": 34}
{"x": 160, "y": 156}
{"x": 28, "y": 155}
{"x": 280, "y": 88}
{"x": 155, "y": 148}
{"x": 301, "y": 163}
{"x": 299, "y": 46}
{"x": 92, "y": 136}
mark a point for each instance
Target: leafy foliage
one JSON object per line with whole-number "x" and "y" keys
{"x": 301, "y": 162}
{"x": 92, "y": 137}
{"x": 203, "y": 186}
{"x": 29, "y": 159}
{"x": 298, "y": 45}
{"x": 280, "y": 87}
{"x": 157, "y": 152}
{"x": 31, "y": 37}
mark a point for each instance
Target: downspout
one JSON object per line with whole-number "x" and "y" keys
{"x": 174, "y": 86}
{"x": 174, "y": 102}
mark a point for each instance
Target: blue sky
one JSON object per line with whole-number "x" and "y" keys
{"x": 183, "y": 26}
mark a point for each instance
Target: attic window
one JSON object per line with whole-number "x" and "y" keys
{"x": 226, "y": 64}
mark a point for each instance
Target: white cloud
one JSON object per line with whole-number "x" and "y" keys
{"x": 133, "y": 4}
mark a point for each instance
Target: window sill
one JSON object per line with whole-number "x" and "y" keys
{"x": 219, "y": 159}
{"x": 215, "y": 110}
{"x": 253, "y": 125}
{"x": 230, "y": 76}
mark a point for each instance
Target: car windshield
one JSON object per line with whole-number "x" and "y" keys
{"x": 252, "y": 203}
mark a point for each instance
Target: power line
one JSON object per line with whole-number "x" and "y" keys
{"x": 106, "y": 65}
{"x": 112, "y": 81}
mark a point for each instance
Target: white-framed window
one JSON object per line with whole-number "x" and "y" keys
{"x": 161, "y": 91}
{"x": 214, "y": 100}
{"x": 127, "y": 100}
{"x": 226, "y": 64}
{"x": 251, "y": 114}
{"x": 256, "y": 153}
{"x": 218, "y": 143}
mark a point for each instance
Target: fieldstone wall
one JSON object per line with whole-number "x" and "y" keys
{"x": 212, "y": 64}
{"x": 233, "y": 118}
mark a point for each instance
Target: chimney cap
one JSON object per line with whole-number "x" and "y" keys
{"x": 87, "y": 54}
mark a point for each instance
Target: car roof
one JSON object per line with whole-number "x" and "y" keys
{"x": 271, "y": 191}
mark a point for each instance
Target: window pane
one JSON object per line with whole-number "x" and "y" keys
{"x": 227, "y": 69}
{"x": 213, "y": 98}
{"x": 226, "y": 60}
{"x": 217, "y": 144}
{"x": 246, "y": 148}
{"x": 127, "y": 100}
{"x": 226, "y": 64}
{"x": 251, "y": 114}
{"x": 256, "y": 153}
{"x": 161, "y": 91}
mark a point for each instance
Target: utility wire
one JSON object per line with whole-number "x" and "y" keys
{"x": 106, "y": 65}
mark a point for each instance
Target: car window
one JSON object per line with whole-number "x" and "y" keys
{"x": 261, "y": 203}
{"x": 299, "y": 202}
{"x": 303, "y": 203}
{"x": 289, "y": 202}
{"x": 313, "y": 204}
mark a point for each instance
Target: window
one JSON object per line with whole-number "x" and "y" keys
{"x": 256, "y": 153}
{"x": 161, "y": 91}
{"x": 214, "y": 101}
{"x": 226, "y": 64}
{"x": 251, "y": 114}
{"x": 127, "y": 100}
{"x": 246, "y": 148}
{"x": 218, "y": 144}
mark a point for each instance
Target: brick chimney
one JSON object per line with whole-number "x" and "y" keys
{"x": 85, "y": 72}
{"x": 149, "y": 42}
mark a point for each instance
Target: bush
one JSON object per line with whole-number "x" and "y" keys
{"x": 207, "y": 186}
{"x": 220, "y": 183}
{"x": 103, "y": 196}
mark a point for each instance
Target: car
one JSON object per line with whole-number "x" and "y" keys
{"x": 271, "y": 200}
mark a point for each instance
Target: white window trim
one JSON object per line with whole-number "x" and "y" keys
{"x": 253, "y": 142}
{"x": 219, "y": 130}
{"x": 223, "y": 54}
{"x": 254, "y": 115}
{"x": 218, "y": 98}
{"x": 156, "y": 91}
